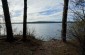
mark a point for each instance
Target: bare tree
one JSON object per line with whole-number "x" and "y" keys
{"x": 7, "y": 20}
{"x": 64, "y": 20}
{"x": 77, "y": 30}
{"x": 24, "y": 20}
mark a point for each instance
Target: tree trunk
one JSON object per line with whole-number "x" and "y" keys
{"x": 7, "y": 20}
{"x": 24, "y": 20}
{"x": 64, "y": 20}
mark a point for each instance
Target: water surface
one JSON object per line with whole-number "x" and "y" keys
{"x": 41, "y": 30}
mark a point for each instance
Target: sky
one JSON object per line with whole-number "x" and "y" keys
{"x": 37, "y": 10}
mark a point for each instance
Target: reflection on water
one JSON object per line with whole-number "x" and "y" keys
{"x": 43, "y": 30}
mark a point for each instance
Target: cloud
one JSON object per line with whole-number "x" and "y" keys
{"x": 48, "y": 12}
{"x": 37, "y": 10}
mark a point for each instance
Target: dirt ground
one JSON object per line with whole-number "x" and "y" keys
{"x": 52, "y": 47}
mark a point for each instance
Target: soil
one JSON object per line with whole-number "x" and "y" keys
{"x": 52, "y": 47}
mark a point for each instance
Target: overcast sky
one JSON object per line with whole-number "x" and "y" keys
{"x": 38, "y": 10}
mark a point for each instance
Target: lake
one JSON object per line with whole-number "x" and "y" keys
{"x": 44, "y": 31}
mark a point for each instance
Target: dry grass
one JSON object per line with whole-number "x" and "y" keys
{"x": 36, "y": 47}
{"x": 19, "y": 47}
{"x": 56, "y": 48}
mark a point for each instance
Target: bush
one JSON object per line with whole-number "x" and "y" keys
{"x": 77, "y": 32}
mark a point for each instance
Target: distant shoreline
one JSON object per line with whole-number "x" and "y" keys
{"x": 36, "y": 22}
